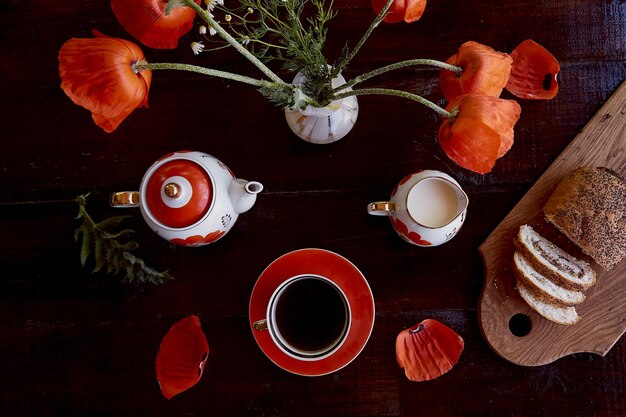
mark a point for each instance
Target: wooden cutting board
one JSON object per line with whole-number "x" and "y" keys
{"x": 502, "y": 311}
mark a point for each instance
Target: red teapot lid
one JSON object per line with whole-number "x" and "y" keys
{"x": 179, "y": 193}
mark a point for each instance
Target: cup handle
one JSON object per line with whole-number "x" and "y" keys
{"x": 125, "y": 199}
{"x": 260, "y": 325}
{"x": 380, "y": 208}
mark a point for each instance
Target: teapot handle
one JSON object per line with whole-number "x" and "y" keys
{"x": 125, "y": 199}
{"x": 380, "y": 208}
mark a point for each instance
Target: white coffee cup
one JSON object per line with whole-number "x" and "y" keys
{"x": 308, "y": 317}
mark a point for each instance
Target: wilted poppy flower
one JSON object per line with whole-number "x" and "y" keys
{"x": 146, "y": 21}
{"x": 534, "y": 72}
{"x": 485, "y": 71}
{"x": 97, "y": 74}
{"x": 407, "y": 10}
{"x": 181, "y": 358}
{"x": 481, "y": 132}
{"x": 428, "y": 350}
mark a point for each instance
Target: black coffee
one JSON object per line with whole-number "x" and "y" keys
{"x": 311, "y": 314}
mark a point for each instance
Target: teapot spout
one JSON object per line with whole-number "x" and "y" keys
{"x": 243, "y": 194}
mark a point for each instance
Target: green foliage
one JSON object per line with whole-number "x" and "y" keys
{"x": 278, "y": 30}
{"x": 100, "y": 240}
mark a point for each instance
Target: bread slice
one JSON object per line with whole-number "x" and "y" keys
{"x": 553, "y": 262}
{"x": 589, "y": 207}
{"x": 550, "y": 311}
{"x": 534, "y": 280}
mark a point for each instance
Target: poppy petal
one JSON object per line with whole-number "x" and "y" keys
{"x": 97, "y": 73}
{"x": 428, "y": 350}
{"x": 534, "y": 73}
{"x": 146, "y": 21}
{"x": 485, "y": 71}
{"x": 414, "y": 10}
{"x": 182, "y": 356}
{"x": 470, "y": 143}
{"x": 407, "y": 10}
{"x": 500, "y": 115}
{"x": 481, "y": 132}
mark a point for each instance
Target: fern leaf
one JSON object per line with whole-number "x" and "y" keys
{"x": 111, "y": 222}
{"x": 86, "y": 246}
{"x": 101, "y": 240}
{"x": 100, "y": 255}
{"x": 121, "y": 234}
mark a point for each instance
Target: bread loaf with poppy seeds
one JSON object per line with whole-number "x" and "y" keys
{"x": 589, "y": 207}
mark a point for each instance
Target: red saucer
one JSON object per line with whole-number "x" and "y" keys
{"x": 346, "y": 276}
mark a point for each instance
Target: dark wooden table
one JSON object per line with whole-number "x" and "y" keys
{"x": 73, "y": 343}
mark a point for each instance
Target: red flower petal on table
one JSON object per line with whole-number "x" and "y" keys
{"x": 402, "y": 229}
{"x": 428, "y": 350}
{"x": 485, "y": 71}
{"x": 146, "y": 21}
{"x": 481, "y": 132}
{"x": 198, "y": 239}
{"x": 97, "y": 74}
{"x": 407, "y": 10}
{"x": 182, "y": 356}
{"x": 534, "y": 72}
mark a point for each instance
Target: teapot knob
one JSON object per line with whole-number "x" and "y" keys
{"x": 172, "y": 190}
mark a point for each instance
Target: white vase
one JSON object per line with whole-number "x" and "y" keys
{"x": 323, "y": 125}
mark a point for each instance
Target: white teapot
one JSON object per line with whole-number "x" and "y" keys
{"x": 190, "y": 198}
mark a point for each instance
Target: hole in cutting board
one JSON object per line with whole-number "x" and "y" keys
{"x": 520, "y": 325}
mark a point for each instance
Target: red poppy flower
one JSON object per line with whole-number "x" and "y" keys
{"x": 97, "y": 74}
{"x": 198, "y": 239}
{"x": 146, "y": 21}
{"x": 534, "y": 72}
{"x": 428, "y": 350}
{"x": 403, "y": 230}
{"x": 407, "y": 10}
{"x": 485, "y": 71}
{"x": 182, "y": 356}
{"x": 481, "y": 132}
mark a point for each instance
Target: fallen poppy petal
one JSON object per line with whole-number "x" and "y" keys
{"x": 182, "y": 356}
{"x": 485, "y": 71}
{"x": 401, "y": 10}
{"x": 146, "y": 21}
{"x": 534, "y": 73}
{"x": 428, "y": 350}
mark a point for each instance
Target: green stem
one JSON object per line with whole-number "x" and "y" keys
{"x": 366, "y": 35}
{"x": 396, "y": 93}
{"x": 143, "y": 65}
{"x": 397, "y": 65}
{"x": 228, "y": 38}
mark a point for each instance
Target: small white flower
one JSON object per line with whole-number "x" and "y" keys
{"x": 228, "y": 18}
{"x": 202, "y": 30}
{"x": 210, "y": 4}
{"x": 220, "y": 2}
{"x": 250, "y": 10}
{"x": 245, "y": 41}
{"x": 197, "y": 47}
{"x": 212, "y": 31}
